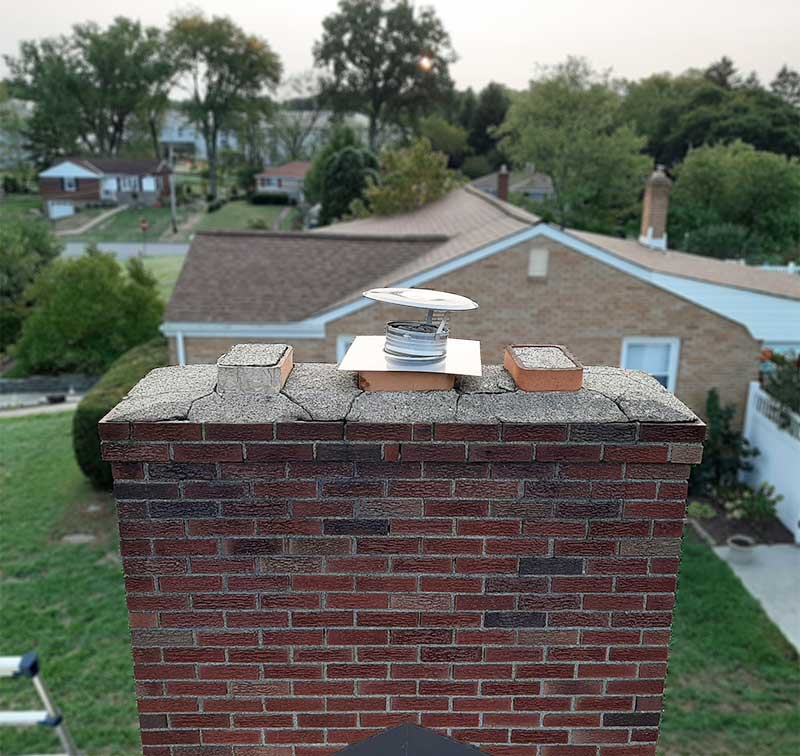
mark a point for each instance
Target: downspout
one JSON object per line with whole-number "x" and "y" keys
{"x": 181, "y": 348}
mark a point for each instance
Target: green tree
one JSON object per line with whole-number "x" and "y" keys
{"x": 446, "y": 137}
{"x": 387, "y": 60}
{"x": 786, "y": 85}
{"x": 222, "y": 68}
{"x": 87, "y": 87}
{"x": 26, "y": 246}
{"x": 739, "y": 196}
{"x": 490, "y": 112}
{"x": 676, "y": 113}
{"x": 86, "y": 313}
{"x": 346, "y": 176}
{"x": 410, "y": 177}
{"x": 567, "y": 125}
{"x": 341, "y": 137}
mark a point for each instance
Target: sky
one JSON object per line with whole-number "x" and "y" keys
{"x": 501, "y": 40}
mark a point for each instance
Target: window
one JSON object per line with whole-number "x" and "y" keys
{"x": 342, "y": 345}
{"x": 538, "y": 258}
{"x": 657, "y": 356}
{"x": 129, "y": 183}
{"x": 70, "y": 184}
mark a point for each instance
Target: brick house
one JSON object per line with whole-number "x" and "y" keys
{"x": 690, "y": 321}
{"x": 78, "y": 182}
{"x": 288, "y": 179}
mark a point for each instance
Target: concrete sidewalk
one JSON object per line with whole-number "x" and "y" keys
{"x": 773, "y": 577}
{"x": 126, "y": 250}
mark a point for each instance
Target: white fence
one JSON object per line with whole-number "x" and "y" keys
{"x": 779, "y": 460}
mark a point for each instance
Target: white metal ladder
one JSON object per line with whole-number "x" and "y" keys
{"x": 50, "y": 716}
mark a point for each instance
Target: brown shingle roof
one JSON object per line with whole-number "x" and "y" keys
{"x": 132, "y": 167}
{"x": 708, "y": 269}
{"x": 297, "y": 169}
{"x": 270, "y": 277}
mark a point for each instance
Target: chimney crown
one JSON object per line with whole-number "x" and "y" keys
{"x": 655, "y": 209}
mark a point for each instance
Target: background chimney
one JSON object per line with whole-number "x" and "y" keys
{"x": 502, "y": 183}
{"x": 654, "y": 210}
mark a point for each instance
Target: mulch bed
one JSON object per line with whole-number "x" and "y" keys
{"x": 720, "y": 528}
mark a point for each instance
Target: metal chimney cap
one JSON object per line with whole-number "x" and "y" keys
{"x": 426, "y": 299}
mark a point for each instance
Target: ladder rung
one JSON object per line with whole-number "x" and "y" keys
{"x": 23, "y": 718}
{"x": 9, "y": 665}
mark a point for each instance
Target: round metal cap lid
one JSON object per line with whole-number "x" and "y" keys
{"x": 427, "y": 299}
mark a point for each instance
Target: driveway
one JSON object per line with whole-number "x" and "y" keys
{"x": 127, "y": 250}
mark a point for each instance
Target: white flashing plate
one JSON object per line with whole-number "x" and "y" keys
{"x": 366, "y": 354}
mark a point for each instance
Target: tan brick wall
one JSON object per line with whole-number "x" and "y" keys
{"x": 583, "y": 304}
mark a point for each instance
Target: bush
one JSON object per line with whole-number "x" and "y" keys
{"x": 269, "y": 199}
{"x": 754, "y": 506}
{"x": 725, "y": 453}
{"x": 215, "y": 205}
{"x": 700, "y": 510}
{"x": 26, "y": 247}
{"x": 476, "y": 166}
{"x": 123, "y": 374}
{"x": 782, "y": 383}
{"x": 88, "y": 312}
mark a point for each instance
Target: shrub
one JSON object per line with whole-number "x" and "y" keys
{"x": 269, "y": 199}
{"x": 87, "y": 312}
{"x": 123, "y": 374}
{"x": 26, "y": 247}
{"x": 700, "y": 510}
{"x": 754, "y": 506}
{"x": 725, "y": 453}
{"x": 782, "y": 383}
{"x": 215, "y": 205}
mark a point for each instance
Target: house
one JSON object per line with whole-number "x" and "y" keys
{"x": 284, "y": 180}
{"x": 186, "y": 140}
{"x": 80, "y": 182}
{"x": 532, "y": 184}
{"x": 692, "y": 322}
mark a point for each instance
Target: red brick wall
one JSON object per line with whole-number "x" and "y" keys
{"x": 297, "y": 587}
{"x": 87, "y": 190}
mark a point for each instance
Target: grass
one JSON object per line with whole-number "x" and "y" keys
{"x": 732, "y": 689}
{"x": 238, "y": 215}
{"x": 166, "y": 271}
{"x": 734, "y": 680}
{"x": 66, "y": 602}
{"x": 14, "y": 205}
{"x": 124, "y": 226}
{"x": 80, "y": 218}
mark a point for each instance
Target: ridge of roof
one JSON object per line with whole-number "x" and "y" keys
{"x": 512, "y": 211}
{"x": 694, "y": 267}
{"x": 318, "y": 236}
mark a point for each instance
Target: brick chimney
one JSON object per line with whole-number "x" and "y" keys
{"x": 655, "y": 209}
{"x": 308, "y": 568}
{"x": 502, "y": 183}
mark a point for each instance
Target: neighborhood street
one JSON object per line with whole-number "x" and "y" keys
{"x": 127, "y": 250}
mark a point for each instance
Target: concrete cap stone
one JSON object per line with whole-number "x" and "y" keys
{"x": 321, "y": 392}
{"x": 254, "y": 369}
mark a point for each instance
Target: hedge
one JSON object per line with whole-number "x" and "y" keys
{"x": 120, "y": 378}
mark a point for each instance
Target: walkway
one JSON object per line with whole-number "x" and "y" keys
{"x": 773, "y": 577}
{"x": 126, "y": 250}
{"x": 277, "y": 225}
{"x": 40, "y": 409}
{"x": 92, "y": 223}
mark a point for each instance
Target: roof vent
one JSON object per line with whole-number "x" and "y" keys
{"x": 414, "y": 354}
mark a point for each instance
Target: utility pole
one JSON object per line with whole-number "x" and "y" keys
{"x": 172, "y": 191}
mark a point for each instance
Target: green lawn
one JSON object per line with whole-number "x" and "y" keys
{"x": 238, "y": 215}
{"x": 13, "y": 205}
{"x": 124, "y": 226}
{"x": 733, "y": 686}
{"x": 166, "y": 271}
{"x": 80, "y": 218}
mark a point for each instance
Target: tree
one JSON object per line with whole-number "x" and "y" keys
{"x": 87, "y": 312}
{"x": 346, "y": 176}
{"x": 723, "y": 73}
{"x": 341, "y": 137}
{"x": 222, "y": 68}
{"x": 734, "y": 200}
{"x": 410, "y": 177}
{"x": 567, "y": 125}
{"x": 26, "y": 246}
{"x": 447, "y": 138}
{"x": 690, "y": 110}
{"x": 389, "y": 61}
{"x": 786, "y": 85}
{"x": 13, "y": 155}
{"x": 292, "y": 130}
{"x": 87, "y": 87}
{"x": 490, "y": 112}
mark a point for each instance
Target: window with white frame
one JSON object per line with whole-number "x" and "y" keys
{"x": 70, "y": 184}
{"x": 129, "y": 183}
{"x": 342, "y": 345}
{"x": 657, "y": 356}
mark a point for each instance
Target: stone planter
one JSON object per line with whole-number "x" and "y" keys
{"x": 742, "y": 548}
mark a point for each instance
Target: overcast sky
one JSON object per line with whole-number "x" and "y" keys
{"x": 500, "y": 40}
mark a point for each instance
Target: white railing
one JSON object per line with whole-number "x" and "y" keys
{"x": 778, "y": 462}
